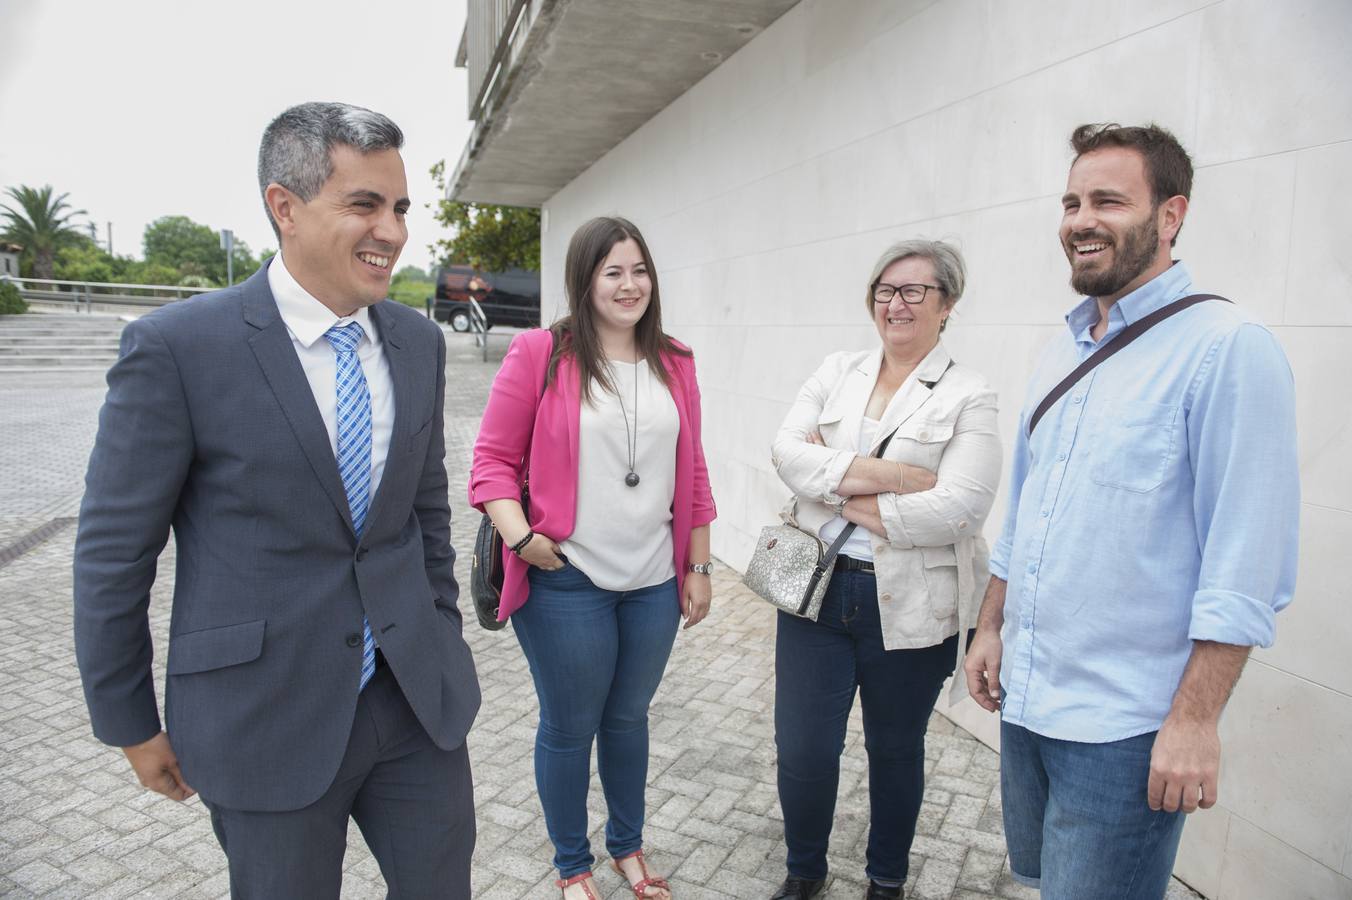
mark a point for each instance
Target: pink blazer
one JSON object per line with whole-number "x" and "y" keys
{"x": 513, "y": 426}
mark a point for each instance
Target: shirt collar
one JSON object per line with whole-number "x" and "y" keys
{"x": 306, "y": 318}
{"x": 1164, "y": 288}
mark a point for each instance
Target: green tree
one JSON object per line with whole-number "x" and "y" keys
{"x": 411, "y": 273}
{"x": 194, "y": 250}
{"x": 41, "y": 223}
{"x": 83, "y": 260}
{"x": 411, "y": 286}
{"x": 148, "y": 272}
{"x": 487, "y": 237}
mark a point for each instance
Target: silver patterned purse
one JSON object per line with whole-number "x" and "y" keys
{"x": 791, "y": 569}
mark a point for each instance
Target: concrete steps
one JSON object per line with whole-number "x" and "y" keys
{"x": 58, "y": 341}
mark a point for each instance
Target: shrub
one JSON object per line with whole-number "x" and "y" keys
{"x": 10, "y": 301}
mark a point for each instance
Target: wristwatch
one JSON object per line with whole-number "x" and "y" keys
{"x": 706, "y": 568}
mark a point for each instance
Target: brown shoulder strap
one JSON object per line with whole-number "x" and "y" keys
{"x": 1123, "y": 338}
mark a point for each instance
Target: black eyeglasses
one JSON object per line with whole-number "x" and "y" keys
{"x": 914, "y": 294}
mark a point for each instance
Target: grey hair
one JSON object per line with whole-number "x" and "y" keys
{"x": 949, "y": 268}
{"x": 296, "y": 145}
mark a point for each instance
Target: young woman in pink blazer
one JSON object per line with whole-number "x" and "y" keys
{"x": 597, "y": 418}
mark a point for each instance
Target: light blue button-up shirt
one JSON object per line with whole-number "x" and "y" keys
{"x": 1157, "y": 503}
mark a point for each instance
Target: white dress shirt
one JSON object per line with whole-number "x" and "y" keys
{"x": 307, "y": 320}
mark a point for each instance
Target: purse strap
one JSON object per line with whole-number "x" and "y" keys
{"x": 1123, "y": 338}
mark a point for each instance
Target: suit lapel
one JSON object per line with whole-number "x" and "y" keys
{"x": 912, "y": 394}
{"x": 271, "y": 345}
{"x": 403, "y": 376}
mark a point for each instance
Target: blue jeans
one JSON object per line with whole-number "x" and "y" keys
{"x": 818, "y": 667}
{"x": 597, "y": 657}
{"x": 1077, "y": 821}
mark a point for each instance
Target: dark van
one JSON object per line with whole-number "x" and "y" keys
{"x": 508, "y": 298}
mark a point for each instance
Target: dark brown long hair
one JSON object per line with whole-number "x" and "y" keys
{"x": 575, "y": 334}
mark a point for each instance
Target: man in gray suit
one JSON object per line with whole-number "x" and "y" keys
{"x": 289, "y": 431}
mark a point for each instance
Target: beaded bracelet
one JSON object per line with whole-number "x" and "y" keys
{"x": 521, "y": 544}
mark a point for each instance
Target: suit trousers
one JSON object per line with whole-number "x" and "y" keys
{"x": 413, "y": 802}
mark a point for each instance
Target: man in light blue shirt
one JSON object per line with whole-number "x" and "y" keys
{"x": 1151, "y": 538}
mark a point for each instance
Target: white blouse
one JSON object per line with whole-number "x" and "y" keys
{"x": 859, "y": 544}
{"x": 621, "y": 538}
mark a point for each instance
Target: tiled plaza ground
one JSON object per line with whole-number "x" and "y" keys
{"x": 74, "y": 823}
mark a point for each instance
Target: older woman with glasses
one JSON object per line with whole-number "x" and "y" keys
{"x": 910, "y": 574}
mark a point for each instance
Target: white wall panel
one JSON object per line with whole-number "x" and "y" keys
{"x": 1274, "y": 77}
{"x": 1201, "y": 852}
{"x": 1321, "y": 361}
{"x": 1279, "y": 765}
{"x": 1258, "y": 866}
{"x": 769, "y": 188}
{"x": 1315, "y": 631}
{"x": 1236, "y": 238}
{"x": 1319, "y": 279}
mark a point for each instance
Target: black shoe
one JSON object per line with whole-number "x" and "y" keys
{"x": 877, "y": 891}
{"x": 795, "y": 888}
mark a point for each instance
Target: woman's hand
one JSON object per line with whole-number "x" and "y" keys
{"x": 695, "y": 598}
{"x": 915, "y": 480}
{"x": 815, "y": 437}
{"x": 862, "y": 510}
{"x": 542, "y": 553}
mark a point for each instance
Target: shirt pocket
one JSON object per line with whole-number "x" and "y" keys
{"x": 941, "y": 580}
{"x": 921, "y": 442}
{"x": 1133, "y": 444}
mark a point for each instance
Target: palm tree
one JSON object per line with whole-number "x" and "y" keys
{"x": 41, "y": 223}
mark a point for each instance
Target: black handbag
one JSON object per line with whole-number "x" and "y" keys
{"x": 486, "y": 569}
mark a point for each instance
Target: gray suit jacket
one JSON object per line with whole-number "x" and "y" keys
{"x": 210, "y": 428}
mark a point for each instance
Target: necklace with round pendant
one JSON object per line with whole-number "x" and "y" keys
{"x": 630, "y": 438}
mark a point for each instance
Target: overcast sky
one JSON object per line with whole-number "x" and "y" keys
{"x": 151, "y": 108}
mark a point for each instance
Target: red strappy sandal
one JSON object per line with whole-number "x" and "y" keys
{"x": 562, "y": 883}
{"x": 640, "y": 887}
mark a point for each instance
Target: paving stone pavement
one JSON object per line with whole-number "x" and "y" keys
{"x": 74, "y": 823}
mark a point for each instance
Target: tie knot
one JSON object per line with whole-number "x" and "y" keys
{"x": 345, "y": 338}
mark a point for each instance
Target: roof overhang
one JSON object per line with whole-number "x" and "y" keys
{"x": 583, "y": 77}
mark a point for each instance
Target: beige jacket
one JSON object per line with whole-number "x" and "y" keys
{"x": 931, "y": 565}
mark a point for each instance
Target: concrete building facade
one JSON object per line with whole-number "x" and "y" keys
{"x": 9, "y": 259}
{"x": 769, "y": 186}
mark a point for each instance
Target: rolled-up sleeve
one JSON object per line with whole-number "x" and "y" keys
{"x": 508, "y": 420}
{"x": 968, "y": 475}
{"x": 1242, "y": 440}
{"x": 811, "y": 471}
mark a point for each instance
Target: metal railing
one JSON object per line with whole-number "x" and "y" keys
{"x": 88, "y": 293}
{"x": 490, "y": 28}
{"x": 478, "y": 324}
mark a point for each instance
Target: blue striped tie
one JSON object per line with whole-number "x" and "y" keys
{"x": 354, "y": 451}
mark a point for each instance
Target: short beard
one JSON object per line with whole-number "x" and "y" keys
{"x": 1134, "y": 254}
